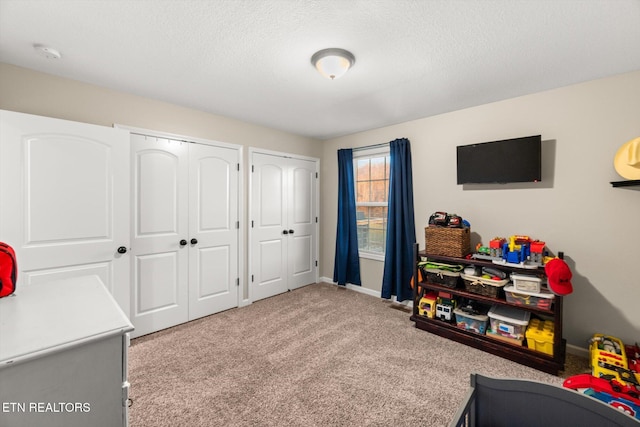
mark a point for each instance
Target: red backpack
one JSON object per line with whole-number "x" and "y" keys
{"x": 8, "y": 270}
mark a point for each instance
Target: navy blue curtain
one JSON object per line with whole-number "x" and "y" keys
{"x": 401, "y": 231}
{"x": 346, "y": 268}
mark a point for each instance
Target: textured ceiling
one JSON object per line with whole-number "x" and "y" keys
{"x": 250, "y": 59}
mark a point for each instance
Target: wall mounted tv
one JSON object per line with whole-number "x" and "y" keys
{"x": 505, "y": 161}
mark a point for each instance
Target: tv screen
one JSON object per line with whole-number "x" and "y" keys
{"x": 509, "y": 160}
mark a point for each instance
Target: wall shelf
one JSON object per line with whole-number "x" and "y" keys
{"x": 627, "y": 183}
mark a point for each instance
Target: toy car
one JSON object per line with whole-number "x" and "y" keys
{"x": 444, "y": 312}
{"x": 427, "y": 305}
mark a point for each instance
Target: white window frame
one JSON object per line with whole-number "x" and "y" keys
{"x": 358, "y": 155}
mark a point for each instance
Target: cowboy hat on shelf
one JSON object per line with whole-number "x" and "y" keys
{"x": 627, "y": 159}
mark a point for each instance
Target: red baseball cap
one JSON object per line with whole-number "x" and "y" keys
{"x": 558, "y": 276}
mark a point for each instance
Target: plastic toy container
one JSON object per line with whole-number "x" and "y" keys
{"x": 540, "y": 336}
{"x": 508, "y": 322}
{"x": 522, "y": 282}
{"x": 471, "y": 322}
{"x": 483, "y": 286}
{"x": 542, "y": 299}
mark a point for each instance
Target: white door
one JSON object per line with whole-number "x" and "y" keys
{"x": 64, "y": 200}
{"x": 185, "y": 231}
{"x": 160, "y": 248}
{"x": 283, "y": 224}
{"x": 301, "y": 220}
{"x": 213, "y": 229}
{"x": 268, "y": 227}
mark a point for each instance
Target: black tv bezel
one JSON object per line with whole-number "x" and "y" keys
{"x": 505, "y": 179}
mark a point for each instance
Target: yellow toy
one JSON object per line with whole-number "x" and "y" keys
{"x": 427, "y": 305}
{"x": 609, "y": 360}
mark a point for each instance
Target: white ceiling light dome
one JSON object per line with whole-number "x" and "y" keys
{"x": 333, "y": 62}
{"x": 47, "y": 52}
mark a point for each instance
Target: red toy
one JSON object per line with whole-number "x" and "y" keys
{"x": 615, "y": 374}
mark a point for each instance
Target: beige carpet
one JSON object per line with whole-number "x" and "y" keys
{"x": 317, "y": 356}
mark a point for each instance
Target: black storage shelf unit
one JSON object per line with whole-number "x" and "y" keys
{"x": 520, "y": 354}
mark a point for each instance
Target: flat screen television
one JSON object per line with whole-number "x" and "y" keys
{"x": 505, "y": 161}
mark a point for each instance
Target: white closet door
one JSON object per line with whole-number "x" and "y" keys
{"x": 64, "y": 200}
{"x": 213, "y": 229}
{"x": 284, "y": 229}
{"x": 159, "y": 297}
{"x": 269, "y": 223}
{"x": 185, "y": 231}
{"x": 301, "y": 210}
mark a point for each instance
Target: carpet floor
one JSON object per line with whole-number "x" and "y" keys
{"x": 317, "y": 356}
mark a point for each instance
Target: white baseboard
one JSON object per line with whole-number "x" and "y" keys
{"x": 578, "y": 351}
{"x": 367, "y": 291}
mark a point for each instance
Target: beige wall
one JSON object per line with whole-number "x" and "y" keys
{"x": 32, "y": 92}
{"x": 574, "y": 209}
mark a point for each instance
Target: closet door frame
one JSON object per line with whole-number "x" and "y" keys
{"x": 250, "y": 260}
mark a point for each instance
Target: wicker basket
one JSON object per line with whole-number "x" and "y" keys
{"x": 442, "y": 277}
{"x": 453, "y": 242}
{"x": 482, "y": 286}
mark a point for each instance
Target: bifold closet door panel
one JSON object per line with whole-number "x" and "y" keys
{"x": 302, "y": 213}
{"x": 213, "y": 229}
{"x": 269, "y": 227}
{"x": 160, "y": 248}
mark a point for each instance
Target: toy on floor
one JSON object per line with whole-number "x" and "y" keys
{"x": 615, "y": 374}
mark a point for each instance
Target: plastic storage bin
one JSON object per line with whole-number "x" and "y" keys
{"x": 508, "y": 322}
{"x": 471, "y": 322}
{"x": 542, "y": 299}
{"x": 540, "y": 336}
{"x": 523, "y": 282}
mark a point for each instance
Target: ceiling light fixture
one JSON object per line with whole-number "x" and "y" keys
{"x": 47, "y": 52}
{"x": 333, "y": 62}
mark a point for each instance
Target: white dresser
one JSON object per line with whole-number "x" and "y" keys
{"x": 63, "y": 356}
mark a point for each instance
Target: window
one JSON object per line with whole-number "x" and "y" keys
{"x": 371, "y": 170}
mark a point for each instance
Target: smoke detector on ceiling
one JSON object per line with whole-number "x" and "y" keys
{"x": 47, "y": 52}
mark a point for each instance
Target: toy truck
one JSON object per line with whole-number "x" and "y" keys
{"x": 427, "y": 305}
{"x": 615, "y": 374}
{"x": 444, "y": 312}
